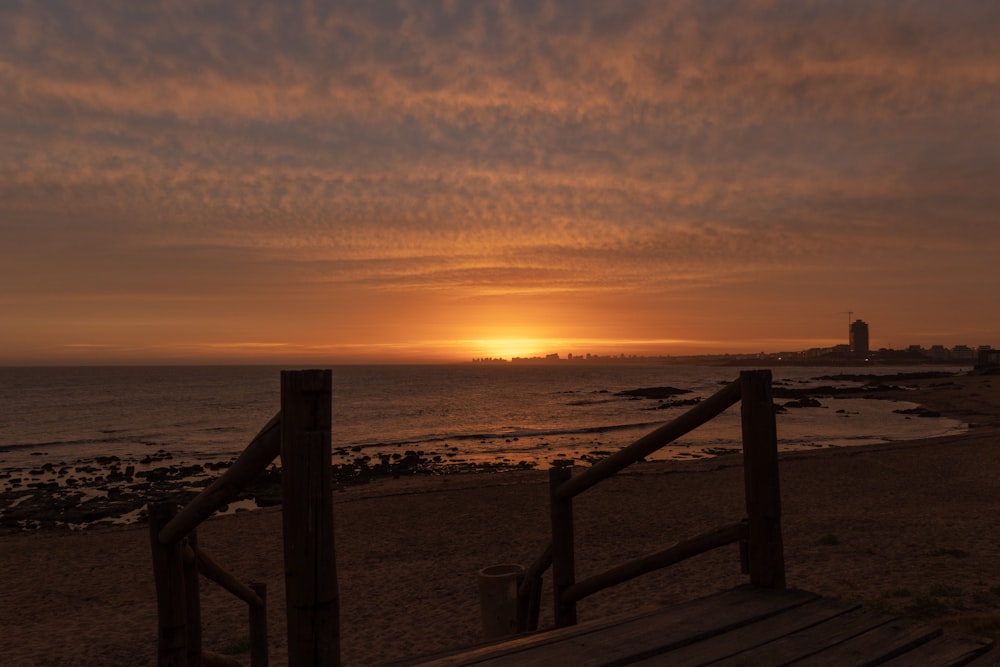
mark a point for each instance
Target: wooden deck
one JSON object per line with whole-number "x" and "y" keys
{"x": 743, "y": 626}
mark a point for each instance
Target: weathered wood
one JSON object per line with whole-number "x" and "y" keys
{"x": 312, "y": 602}
{"x": 652, "y": 562}
{"x": 634, "y": 637}
{"x": 991, "y": 658}
{"x": 168, "y": 575}
{"x": 947, "y": 651}
{"x": 537, "y": 568}
{"x": 699, "y": 414}
{"x": 530, "y": 592}
{"x": 743, "y": 626}
{"x": 811, "y": 640}
{"x": 528, "y": 620}
{"x": 192, "y": 602}
{"x": 877, "y": 645}
{"x": 755, "y": 634}
{"x": 212, "y": 570}
{"x": 258, "y": 628}
{"x": 745, "y": 548}
{"x": 563, "y": 548}
{"x": 251, "y": 463}
{"x": 765, "y": 551}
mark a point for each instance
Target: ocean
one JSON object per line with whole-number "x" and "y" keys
{"x": 56, "y": 421}
{"x": 488, "y": 412}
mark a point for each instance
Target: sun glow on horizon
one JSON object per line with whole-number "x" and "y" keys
{"x": 527, "y": 347}
{"x": 506, "y": 343}
{"x": 509, "y": 348}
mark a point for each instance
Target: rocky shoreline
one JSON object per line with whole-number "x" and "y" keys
{"x": 104, "y": 491}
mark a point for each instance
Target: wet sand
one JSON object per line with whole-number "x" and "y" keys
{"x": 907, "y": 526}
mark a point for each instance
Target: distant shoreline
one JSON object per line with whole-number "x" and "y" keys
{"x": 727, "y": 360}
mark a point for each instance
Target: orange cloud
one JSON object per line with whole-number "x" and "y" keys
{"x": 550, "y": 159}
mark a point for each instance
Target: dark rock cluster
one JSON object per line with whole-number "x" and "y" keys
{"x": 918, "y": 412}
{"x": 653, "y": 392}
{"x": 106, "y": 490}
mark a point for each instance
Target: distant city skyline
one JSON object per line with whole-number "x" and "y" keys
{"x": 842, "y": 351}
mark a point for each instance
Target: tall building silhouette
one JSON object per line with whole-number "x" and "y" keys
{"x": 859, "y": 338}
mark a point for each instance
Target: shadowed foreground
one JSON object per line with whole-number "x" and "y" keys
{"x": 905, "y": 527}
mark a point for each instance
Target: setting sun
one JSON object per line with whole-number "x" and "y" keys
{"x": 508, "y": 348}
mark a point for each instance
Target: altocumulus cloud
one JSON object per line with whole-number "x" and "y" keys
{"x": 434, "y": 144}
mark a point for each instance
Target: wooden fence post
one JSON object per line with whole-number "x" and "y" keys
{"x": 168, "y": 574}
{"x": 258, "y": 628}
{"x": 563, "y": 556}
{"x": 765, "y": 552}
{"x": 311, "y": 596}
{"x": 192, "y": 602}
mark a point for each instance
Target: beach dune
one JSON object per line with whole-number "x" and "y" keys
{"x": 906, "y": 526}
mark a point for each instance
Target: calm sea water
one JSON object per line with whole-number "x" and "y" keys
{"x": 463, "y": 413}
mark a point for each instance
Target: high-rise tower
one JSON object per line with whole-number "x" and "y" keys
{"x": 859, "y": 338}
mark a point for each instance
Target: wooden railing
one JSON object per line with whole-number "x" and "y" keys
{"x": 759, "y": 533}
{"x": 300, "y": 435}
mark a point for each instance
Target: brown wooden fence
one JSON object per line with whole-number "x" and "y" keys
{"x": 758, "y": 534}
{"x": 300, "y": 434}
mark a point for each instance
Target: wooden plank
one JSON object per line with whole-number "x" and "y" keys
{"x": 469, "y": 654}
{"x": 311, "y": 596}
{"x": 764, "y": 548}
{"x": 658, "y": 633}
{"x": 877, "y": 645}
{"x": 634, "y": 637}
{"x": 701, "y": 413}
{"x": 803, "y": 643}
{"x": 751, "y": 636}
{"x": 989, "y": 659}
{"x": 947, "y": 651}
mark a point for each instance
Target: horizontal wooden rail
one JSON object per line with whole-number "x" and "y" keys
{"x": 254, "y": 460}
{"x": 699, "y": 414}
{"x": 634, "y": 568}
{"x": 212, "y": 570}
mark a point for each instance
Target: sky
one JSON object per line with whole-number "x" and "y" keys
{"x": 421, "y": 180}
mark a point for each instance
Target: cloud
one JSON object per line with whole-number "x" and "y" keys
{"x": 494, "y": 149}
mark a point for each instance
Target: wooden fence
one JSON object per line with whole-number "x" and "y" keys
{"x": 758, "y": 534}
{"x": 300, "y": 434}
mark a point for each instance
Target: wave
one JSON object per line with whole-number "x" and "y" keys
{"x": 508, "y": 433}
{"x": 594, "y": 401}
{"x": 142, "y": 440}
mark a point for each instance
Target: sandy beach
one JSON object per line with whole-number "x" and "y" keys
{"x": 906, "y": 526}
